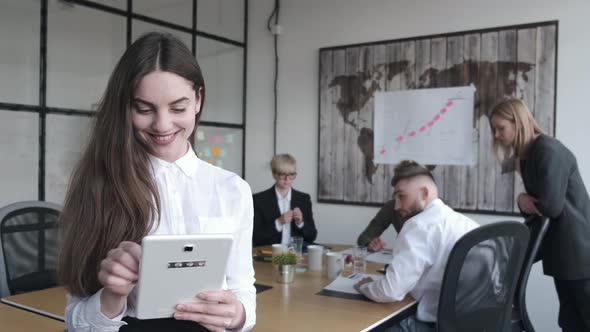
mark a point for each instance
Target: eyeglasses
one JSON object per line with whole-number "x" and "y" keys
{"x": 287, "y": 176}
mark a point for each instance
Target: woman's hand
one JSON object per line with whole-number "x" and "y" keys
{"x": 220, "y": 310}
{"x": 297, "y": 216}
{"x": 526, "y": 203}
{"x": 286, "y": 217}
{"x": 118, "y": 275}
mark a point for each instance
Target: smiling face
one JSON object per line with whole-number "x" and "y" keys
{"x": 504, "y": 131}
{"x": 163, "y": 113}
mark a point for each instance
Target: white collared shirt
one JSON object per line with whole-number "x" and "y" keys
{"x": 420, "y": 255}
{"x": 284, "y": 206}
{"x": 196, "y": 197}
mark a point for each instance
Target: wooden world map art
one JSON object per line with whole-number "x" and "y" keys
{"x": 516, "y": 61}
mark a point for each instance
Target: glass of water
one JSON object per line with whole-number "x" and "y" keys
{"x": 359, "y": 264}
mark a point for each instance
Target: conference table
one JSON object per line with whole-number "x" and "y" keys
{"x": 286, "y": 307}
{"x": 14, "y": 319}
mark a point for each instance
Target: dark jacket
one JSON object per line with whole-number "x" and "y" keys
{"x": 550, "y": 174}
{"x": 385, "y": 217}
{"x": 266, "y": 211}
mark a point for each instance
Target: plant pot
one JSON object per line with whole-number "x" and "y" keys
{"x": 286, "y": 274}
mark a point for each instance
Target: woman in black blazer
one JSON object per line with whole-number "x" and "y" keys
{"x": 554, "y": 188}
{"x": 281, "y": 212}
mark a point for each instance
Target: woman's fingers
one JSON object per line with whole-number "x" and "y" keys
{"x": 219, "y": 311}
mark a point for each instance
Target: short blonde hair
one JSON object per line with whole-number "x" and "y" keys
{"x": 283, "y": 163}
{"x": 526, "y": 127}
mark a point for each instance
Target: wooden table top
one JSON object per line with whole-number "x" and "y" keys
{"x": 288, "y": 307}
{"x": 18, "y": 320}
{"x": 297, "y": 307}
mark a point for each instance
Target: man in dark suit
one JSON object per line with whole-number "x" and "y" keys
{"x": 281, "y": 212}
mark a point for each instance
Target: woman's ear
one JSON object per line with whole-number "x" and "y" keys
{"x": 199, "y": 101}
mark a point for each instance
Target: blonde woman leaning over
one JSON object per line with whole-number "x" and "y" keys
{"x": 554, "y": 188}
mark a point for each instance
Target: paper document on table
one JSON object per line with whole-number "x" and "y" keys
{"x": 346, "y": 284}
{"x": 381, "y": 257}
{"x": 346, "y": 252}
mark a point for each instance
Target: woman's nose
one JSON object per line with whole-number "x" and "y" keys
{"x": 162, "y": 122}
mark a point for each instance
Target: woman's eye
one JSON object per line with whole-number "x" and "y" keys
{"x": 143, "y": 110}
{"x": 178, "y": 110}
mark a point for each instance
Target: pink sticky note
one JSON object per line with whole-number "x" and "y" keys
{"x": 422, "y": 128}
{"x": 382, "y": 151}
{"x": 437, "y": 117}
{"x": 430, "y": 123}
{"x": 412, "y": 133}
{"x": 217, "y": 139}
{"x": 450, "y": 103}
{"x": 399, "y": 138}
{"x": 209, "y": 139}
{"x": 443, "y": 111}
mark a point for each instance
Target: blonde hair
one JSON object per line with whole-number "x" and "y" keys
{"x": 526, "y": 128}
{"x": 283, "y": 163}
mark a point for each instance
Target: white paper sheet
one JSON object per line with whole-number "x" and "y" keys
{"x": 431, "y": 126}
{"x": 346, "y": 284}
{"x": 381, "y": 257}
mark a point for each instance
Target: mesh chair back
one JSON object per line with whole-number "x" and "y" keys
{"x": 28, "y": 234}
{"x": 538, "y": 228}
{"x": 480, "y": 278}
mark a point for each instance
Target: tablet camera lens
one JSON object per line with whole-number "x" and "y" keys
{"x": 188, "y": 248}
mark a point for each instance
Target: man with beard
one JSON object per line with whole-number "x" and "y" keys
{"x": 421, "y": 250}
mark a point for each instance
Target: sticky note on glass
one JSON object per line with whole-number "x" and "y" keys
{"x": 216, "y": 151}
{"x": 219, "y": 163}
{"x": 229, "y": 138}
{"x": 200, "y": 135}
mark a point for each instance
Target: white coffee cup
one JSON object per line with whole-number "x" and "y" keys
{"x": 314, "y": 253}
{"x": 278, "y": 248}
{"x": 335, "y": 264}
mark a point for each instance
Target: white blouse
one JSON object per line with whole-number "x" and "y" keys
{"x": 420, "y": 255}
{"x": 196, "y": 197}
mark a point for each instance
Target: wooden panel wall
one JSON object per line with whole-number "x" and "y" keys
{"x": 502, "y": 62}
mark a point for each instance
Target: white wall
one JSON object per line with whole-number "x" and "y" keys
{"x": 312, "y": 24}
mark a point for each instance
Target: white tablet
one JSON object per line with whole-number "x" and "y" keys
{"x": 175, "y": 268}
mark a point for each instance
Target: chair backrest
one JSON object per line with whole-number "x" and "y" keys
{"x": 480, "y": 278}
{"x": 538, "y": 228}
{"x": 28, "y": 250}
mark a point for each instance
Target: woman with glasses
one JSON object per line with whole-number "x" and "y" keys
{"x": 282, "y": 212}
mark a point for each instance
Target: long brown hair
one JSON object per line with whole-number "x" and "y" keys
{"x": 113, "y": 196}
{"x": 526, "y": 128}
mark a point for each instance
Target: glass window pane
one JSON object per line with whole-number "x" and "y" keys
{"x": 66, "y": 136}
{"x": 223, "y": 18}
{"x": 19, "y": 169}
{"x": 177, "y": 12}
{"x": 223, "y": 68}
{"x": 19, "y": 54}
{"x": 119, "y": 4}
{"x": 140, "y": 27}
{"x": 80, "y": 59}
{"x": 220, "y": 146}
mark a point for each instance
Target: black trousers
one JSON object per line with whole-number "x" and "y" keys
{"x": 160, "y": 325}
{"x": 574, "y": 304}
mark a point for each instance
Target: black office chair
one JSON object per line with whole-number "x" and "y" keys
{"x": 28, "y": 237}
{"x": 538, "y": 228}
{"x": 480, "y": 278}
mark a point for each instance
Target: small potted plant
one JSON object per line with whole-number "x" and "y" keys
{"x": 286, "y": 262}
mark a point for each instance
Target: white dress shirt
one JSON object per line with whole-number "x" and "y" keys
{"x": 420, "y": 255}
{"x": 196, "y": 197}
{"x": 284, "y": 206}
